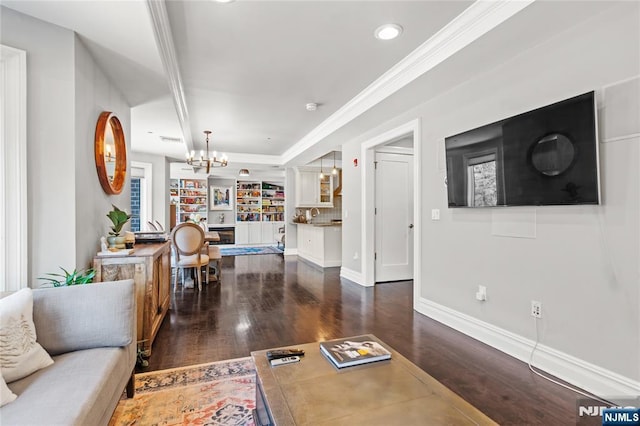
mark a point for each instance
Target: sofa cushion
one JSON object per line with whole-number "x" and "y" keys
{"x": 67, "y": 320}
{"x": 81, "y": 388}
{"x": 20, "y": 354}
{"x": 6, "y": 396}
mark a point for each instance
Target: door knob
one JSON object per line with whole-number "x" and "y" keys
{"x": 411, "y": 226}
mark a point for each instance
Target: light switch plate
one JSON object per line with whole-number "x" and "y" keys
{"x": 435, "y": 214}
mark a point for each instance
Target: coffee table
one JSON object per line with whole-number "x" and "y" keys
{"x": 314, "y": 392}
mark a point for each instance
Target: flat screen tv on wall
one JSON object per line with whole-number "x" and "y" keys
{"x": 548, "y": 156}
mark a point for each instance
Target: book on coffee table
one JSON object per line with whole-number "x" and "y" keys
{"x": 353, "y": 351}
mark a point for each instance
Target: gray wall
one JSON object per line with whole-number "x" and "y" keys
{"x": 160, "y": 185}
{"x": 50, "y": 110}
{"x": 213, "y": 216}
{"x": 290, "y": 228}
{"x": 65, "y": 93}
{"x": 582, "y": 263}
{"x": 94, "y": 93}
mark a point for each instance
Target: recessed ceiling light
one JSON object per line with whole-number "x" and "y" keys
{"x": 388, "y": 31}
{"x": 225, "y": 1}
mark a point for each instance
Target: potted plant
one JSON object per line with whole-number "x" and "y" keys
{"x": 70, "y": 278}
{"x": 119, "y": 218}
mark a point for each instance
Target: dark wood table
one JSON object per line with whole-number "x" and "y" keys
{"x": 314, "y": 392}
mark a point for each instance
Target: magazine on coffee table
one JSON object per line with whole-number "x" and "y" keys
{"x": 353, "y": 351}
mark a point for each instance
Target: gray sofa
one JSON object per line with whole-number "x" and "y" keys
{"x": 90, "y": 332}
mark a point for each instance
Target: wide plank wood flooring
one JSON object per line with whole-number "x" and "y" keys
{"x": 267, "y": 301}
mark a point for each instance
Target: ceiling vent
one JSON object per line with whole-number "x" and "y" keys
{"x": 167, "y": 139}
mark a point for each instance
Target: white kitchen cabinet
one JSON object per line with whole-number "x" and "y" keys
{"x": 255, "y": 232}
{"x": 321, "y": 245}
{"x": 242, "y": 233}
{"x": 269, "y": 231}
{"x": 311, "y": 191}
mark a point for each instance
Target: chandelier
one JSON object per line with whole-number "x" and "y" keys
{"x": 207, "y": 160}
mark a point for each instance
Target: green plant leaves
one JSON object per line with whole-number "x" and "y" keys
{"x": 70, "y": 278}
{"x": 118, "y": 218}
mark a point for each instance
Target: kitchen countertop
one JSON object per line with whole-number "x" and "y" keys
{"x": 321, "y": 223}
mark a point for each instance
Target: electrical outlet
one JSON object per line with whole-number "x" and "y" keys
{"x": 536, "y": 309}
{"x": 481, "y": 294}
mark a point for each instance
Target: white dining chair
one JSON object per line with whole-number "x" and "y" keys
{"x": 188, "y": 241}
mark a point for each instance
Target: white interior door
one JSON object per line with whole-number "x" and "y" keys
{"x": 393, "y": 217}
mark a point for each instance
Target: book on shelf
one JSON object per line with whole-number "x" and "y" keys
{"x": 353, "y": 351}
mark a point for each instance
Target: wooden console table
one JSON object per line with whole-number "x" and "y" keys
{"x": 396, "y": 391}
{"x": 150, "y": 268}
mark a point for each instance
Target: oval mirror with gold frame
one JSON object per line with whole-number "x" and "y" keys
{"x": 110, "y": 153}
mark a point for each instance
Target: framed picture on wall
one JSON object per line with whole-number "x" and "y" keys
{"x": 221, "y": 198}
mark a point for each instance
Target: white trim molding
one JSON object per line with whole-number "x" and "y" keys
{"x": 146, "y": 199}
{"x": 166, "y": 49}
{"x": 351, "y": 275}
{"x": 475, "y": 21}
{"x": 367, "y": 153}
{"x": 290, "y": 252}
{"x": 594, "y": 379}
{"x": 14, "y": 271}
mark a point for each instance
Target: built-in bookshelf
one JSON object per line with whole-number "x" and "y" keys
{"x": 259, "y": 202}
{"x": 190, "y": 196}
{"x": 272, "y": 202}
{"x": 249, "y": 201}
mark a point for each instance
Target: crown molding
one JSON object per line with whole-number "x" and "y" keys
{"x": 478, "y": 19}
{"x": 239, "y": 157}
{"x": 164, "y": 42}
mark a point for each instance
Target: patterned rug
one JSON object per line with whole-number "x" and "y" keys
{"x": 219, "y": 393}
{"x": 239, "y": 251}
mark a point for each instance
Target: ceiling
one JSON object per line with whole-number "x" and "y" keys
{"x": 245, "y": 70}
{"x": 248, "y": 68}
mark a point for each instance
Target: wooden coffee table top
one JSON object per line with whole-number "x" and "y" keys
{"x": 396, "y": 391}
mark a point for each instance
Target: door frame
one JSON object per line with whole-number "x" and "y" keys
{"x": 367, "y": 153}
{"x": 147, "y": 202}
{"x": 14, "y": 238}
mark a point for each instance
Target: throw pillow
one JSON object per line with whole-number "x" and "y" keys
{"x": 6, "y": 396}
{"x": 20, "y": 354}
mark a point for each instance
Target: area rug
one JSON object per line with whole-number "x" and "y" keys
{"x": 218, "y": 393}
{"x": 239, "y": 251}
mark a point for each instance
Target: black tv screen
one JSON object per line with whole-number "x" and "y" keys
{"x": 548, "y": 156}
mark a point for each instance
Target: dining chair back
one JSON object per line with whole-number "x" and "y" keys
{"x": 188, "y": 240}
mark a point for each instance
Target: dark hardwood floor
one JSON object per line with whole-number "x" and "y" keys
{"x": 267, "y": 301}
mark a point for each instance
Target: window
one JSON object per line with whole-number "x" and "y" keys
{"x": 141, "y": 195}
{"x": 482, "y": 184}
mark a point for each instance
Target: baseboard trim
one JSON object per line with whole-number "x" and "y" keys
{"x": 590, "y": 377}
{"x": 352, "y": 275}
{"x": 290, "y": 252}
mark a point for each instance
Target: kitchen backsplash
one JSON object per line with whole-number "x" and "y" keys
{"x": 327, "y": 215}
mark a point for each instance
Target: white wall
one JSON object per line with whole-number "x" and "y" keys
{"x": 65, "y": 93}
{"x": 583, "y": 262}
